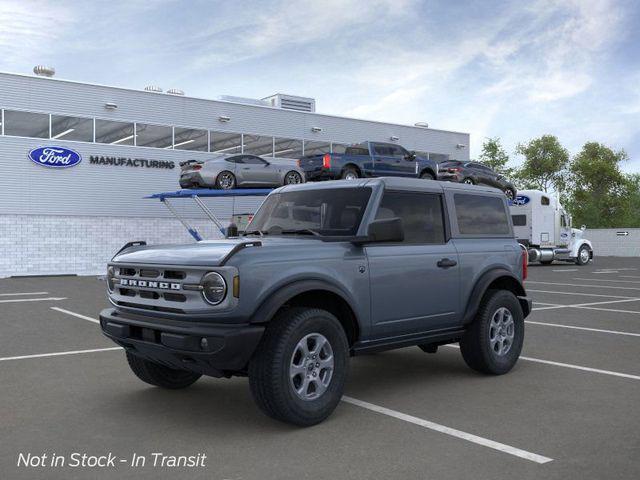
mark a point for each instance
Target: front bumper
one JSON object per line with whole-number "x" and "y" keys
{"x": 179, "y": 344}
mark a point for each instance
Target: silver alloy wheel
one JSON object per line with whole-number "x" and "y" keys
{"x": 501, "y": 331}
{"x": 292, "y": 178}
{"x": 468, "y": 181}
{"x": 311, "y": 367}
{"x": 584, "y": 255}
{"x": 509, "y": 193}
{"x": 351, "y": 176}
{"x": 226, "y": 180}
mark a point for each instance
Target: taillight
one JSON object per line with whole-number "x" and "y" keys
{"x": 525, "y": 262}
{"x": 326, "y": 161}
{"x": 453, "y": 170}
{"x": 196, "y": 167}
{"x": 298, "y": 162}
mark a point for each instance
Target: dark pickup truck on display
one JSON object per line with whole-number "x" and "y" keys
{"x": 325, "y": 271}
{"x": 368, "y": 159}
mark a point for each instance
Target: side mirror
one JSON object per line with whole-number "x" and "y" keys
{"x": 384, "y": 230}
{"x": 410, "y": 156}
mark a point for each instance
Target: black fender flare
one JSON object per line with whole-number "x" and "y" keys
{"x": 279, "y": 297}
{"x": 482, "y": 285}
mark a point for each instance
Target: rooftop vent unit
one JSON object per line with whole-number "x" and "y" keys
{"x": 153, "y": 88}
{"x": 244, "y": 100}
{"x": 291, "y": 102}
{"x": 175, "y": 91}
{"x": 43, "y": 71}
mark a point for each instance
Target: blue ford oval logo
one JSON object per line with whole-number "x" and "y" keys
{"x": 55, "y": 157}
{"x": 520, "y": 200}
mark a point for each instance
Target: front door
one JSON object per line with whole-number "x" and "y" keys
{"x": 255, "y": 171}
{"x": 414, "y": 284}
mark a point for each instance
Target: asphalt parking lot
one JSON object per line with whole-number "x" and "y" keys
{"x": 569, "y": 409}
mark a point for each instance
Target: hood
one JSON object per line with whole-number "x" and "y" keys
{"x": 206, "y": 253}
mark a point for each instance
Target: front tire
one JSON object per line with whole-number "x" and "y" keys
{"x": 427, "y": 176}
{"x": 159, "y": 375}
{"x": 584, "y": 255}
{"x": 225, "y": 180}
{"x": 493, "y": 341}
{"x": 510, "y": 193}
{"x": 298, "y": 372}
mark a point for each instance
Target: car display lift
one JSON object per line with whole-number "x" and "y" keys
{"x": 197, "y": 195}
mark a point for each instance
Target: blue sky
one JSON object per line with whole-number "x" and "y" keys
{"x": 515, "y": 69}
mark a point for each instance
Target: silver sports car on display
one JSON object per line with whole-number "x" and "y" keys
{"x": 239, "y": 170}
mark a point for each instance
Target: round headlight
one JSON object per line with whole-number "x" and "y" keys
{"x": 111, "y": 272}
{"x": 214, "y": 288}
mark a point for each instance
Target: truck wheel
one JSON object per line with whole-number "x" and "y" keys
{"x": 468, "y": 181}
{"x": 427, "y": 176}
{"x": 493, "y": 341}
{"x": 510, "y": 193}
{"x": 159, "y": 375}
{"x": 298, "y": 372}
{"x": 584, "y": 255}
{"x": 350, "y": 173}
{"x": 225, "y": 180}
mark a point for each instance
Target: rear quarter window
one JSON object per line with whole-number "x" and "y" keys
{"x": 481, "y": 215}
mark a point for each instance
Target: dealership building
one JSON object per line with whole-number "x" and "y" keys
{"x": 128, "y": 144}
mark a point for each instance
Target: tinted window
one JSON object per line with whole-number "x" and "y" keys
{"x": 335, "y": 211}
{"x": 421, "y": 215}
{"x": 71, "y": 128}
{"x": 519, "y": 220}
{"x": 544, "y": 200}
{"x": 481, "y": 215}
{"x": 26, "y": 124}
{"x": 238, "y": 159}
{"x": 382, "y": 150}
{"x": 357, "y": 151}
{"x": 252, "y": 160}
{"x": 115, "y": 133}
{"x": 397, "y": 151}
{"x": 338, "y": 148}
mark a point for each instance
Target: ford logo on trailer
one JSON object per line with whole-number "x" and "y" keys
{"x": 520, "y": 200}
{"x": 55, "y": 157}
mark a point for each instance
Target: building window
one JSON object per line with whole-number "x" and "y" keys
{"x": 190, "y": 139}
{"x": 115, "y": 133}
{"x": 258, "y": 145}
{"x": 287, "y": 148}
{"x": 157, "y": 136}
{"x": 438, "y": 157}
{"x": 225, "y": 143}
{"x": 26, "y": 124}
{"x": 316, "y": 148}
{"x": 71, "y": 128}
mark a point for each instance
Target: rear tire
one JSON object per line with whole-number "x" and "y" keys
{"x": 282, "y": 370}
{"x": 159, "y": 375}
{"x": 292, "y": 178}
{"x": 469, "y": 181}
{"x": 350, "y": 173}
{"x": 493, "y": 341}
{"x": 225, "y": 180}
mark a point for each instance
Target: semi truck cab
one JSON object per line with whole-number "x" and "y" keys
{"x": 541, "y": 224}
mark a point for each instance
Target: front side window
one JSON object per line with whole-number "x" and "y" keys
{"x": 26, "y": 124}
{"x": 253, "y": 160}
{"x": 326, "y": 211}
{"x": 481, "y": 215}
{"x": 421, "y": 215}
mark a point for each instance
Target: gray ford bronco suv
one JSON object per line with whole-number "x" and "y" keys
{"x": 325, "y": 271}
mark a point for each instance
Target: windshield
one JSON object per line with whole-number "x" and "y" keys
{"x": 327, "y": 212}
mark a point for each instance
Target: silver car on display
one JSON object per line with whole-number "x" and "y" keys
{"x": 240, "y": 170}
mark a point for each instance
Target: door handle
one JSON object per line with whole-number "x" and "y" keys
{"x": 245, "y": 168}
{"x": 446, "y": 263}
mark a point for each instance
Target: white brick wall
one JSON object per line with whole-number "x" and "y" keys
{"x": 607, "y": 243}
{"x": 53, "y": 245}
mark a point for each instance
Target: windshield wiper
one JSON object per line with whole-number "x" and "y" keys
{"x": 301, "y": 231}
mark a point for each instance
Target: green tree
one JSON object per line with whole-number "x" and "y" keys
{"x": 494, "y": 156}
{"x": 600, "y": 194}
{"x": 545, "y": 164}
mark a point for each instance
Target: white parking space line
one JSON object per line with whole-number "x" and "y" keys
{"x": 629, "y": 276}
{"x": 579, "y": 294}
{"x": 566, "y": 270}
{"x": 587, "y": 305}
{"x": 573, "y": 327}
{"x": 606, "y": 271}
{"x": 634, "y": 312}
{"x": 585, "y": 286}
{"x": 485, "y": 442}
{"x": 606, "y": 280}
{"x": 73, "y": 314}
{"x": 59, "y": 354}
{"x": 22, "y": 293}
{"x": 572, "y": 366}
{"x": 47, "y": 299}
